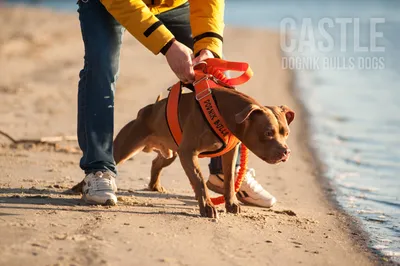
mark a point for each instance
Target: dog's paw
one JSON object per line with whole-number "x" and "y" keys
{"x": 233, "y": 207}
{"x": 209, "y": 210}
{"x": 158, "y": 188}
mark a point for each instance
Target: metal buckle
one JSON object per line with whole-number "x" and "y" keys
{"x": 200, "y": 95}
{"x": 221, "y": 83}
{"x": 205, "y": 77}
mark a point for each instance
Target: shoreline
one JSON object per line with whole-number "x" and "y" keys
{"x": 326, "y": 185}
{"x": 355, "y": 226}
{"x": 31, "y": 45}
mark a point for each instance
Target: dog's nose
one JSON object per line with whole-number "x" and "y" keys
{"x": 287, "y": 152}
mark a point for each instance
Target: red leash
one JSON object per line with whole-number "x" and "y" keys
{"x": 244, "y": 154}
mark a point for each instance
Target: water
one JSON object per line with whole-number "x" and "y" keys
{"x": 355, "y": 111}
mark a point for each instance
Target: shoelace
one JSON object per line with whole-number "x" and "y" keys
{"x": 102, "y": 183}
{"x": 251, "y": 182}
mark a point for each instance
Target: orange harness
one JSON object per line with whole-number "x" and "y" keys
{"x": 208, "y": 78}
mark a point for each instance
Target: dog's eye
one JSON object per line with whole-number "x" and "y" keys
{"x": 269, "y": 133}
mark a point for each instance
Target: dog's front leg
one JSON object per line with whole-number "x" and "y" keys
{"x": 189, "y": 161}
{"x": 228, "y": 166}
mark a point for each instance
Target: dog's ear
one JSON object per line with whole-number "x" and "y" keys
{"x": 289, "y": 113}
{"x": 245, "y": 113}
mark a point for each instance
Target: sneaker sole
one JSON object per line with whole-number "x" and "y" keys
{"x": 108, "y": 202}
{"x": 244, "y": 201}
{"x": 219, "y": 190}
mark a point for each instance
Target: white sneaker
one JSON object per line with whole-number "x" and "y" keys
{"x": 250, "y": 192}
{"x": 100, "y": 188}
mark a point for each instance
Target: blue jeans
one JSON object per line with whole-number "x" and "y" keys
{"x": 102, "y": 38}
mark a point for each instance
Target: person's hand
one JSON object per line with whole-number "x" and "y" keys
{"x": 179, "y": 58}
{"x": 204, "y": 54}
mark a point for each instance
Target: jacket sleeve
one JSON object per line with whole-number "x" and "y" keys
{"x": 207, "y": 22}
{"x": 137, "y": 18}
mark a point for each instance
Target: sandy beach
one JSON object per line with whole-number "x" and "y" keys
{"x": 41, "y": 53}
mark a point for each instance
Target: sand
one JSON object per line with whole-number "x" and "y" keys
{"x": 41, "y": 54}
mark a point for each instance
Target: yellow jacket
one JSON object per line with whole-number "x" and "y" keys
{"x": 138, "y": 17}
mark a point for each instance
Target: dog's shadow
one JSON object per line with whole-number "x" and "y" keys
{"x": 68, "y": 200}
{"x": 37, "y": 196}
{"x": 70, "y": 197}
{"x": 185, "y": 200}
{"x": 147, "y": 193}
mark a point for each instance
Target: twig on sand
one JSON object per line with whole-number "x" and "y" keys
{"x": 58, "y": 138}
{"x": 42, "y": 140}
{"x": 8, "y": 136}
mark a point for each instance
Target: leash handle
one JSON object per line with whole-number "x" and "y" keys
{"x": 213, "y": 64}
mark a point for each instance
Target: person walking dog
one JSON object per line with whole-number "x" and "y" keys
{"x": 185, "y": 32}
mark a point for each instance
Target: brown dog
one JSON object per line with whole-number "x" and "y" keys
{"x": 263, "y": 130}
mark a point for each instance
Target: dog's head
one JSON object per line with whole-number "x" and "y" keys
{"x": 264, "y": 130}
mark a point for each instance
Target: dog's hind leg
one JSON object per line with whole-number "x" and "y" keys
{"x": 157, "y": 165}
{"x": 130, "y": 140}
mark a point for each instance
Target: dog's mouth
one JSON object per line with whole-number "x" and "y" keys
{"x": 278, "y": 160}
{"x": 274, "y": 161}
{"x": 284, "y": 158}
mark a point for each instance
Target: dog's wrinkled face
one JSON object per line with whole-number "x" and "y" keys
{"x": 266, "y": 130}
